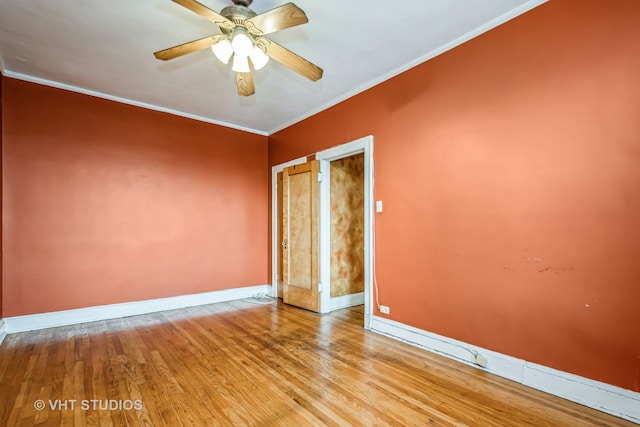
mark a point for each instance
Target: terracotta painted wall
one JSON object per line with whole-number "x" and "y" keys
{"x": 1, "y": 179}
{"x": 509, "y": 168}
{"x": 107, "y": 203}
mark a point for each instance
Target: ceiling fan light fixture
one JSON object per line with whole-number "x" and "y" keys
{"x": 258, "y": 58}
{"x": 223, "y": 51}
{"x": 241, "y": 43}
{"x": 243, "y": 38}
{"x": 240, "y": 64}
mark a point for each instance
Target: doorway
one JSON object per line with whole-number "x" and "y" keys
{"x": 348, "y": 159}
{"x": 277, "y": 249}
{"x": 346, "y": 233}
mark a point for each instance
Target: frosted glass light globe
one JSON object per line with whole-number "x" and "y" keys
{"x": 240, "y": 64}
{"x": 258, "y": 57}
{"x": 223, "y": 51}
{"x": 242, "y": 44}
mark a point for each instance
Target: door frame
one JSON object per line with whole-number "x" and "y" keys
{"x": 274, "y": 220}
{"x": 361, "y": 145}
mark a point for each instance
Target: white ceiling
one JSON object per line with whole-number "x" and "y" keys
{"x": 105, "y": 48}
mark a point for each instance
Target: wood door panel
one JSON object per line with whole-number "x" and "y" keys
{"x": 300, "y": 269}
{"x": 300, "y": 240}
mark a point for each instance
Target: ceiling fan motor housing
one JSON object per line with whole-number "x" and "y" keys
{"x": 237, "y": 14}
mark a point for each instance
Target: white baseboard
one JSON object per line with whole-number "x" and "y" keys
{"x": 594, "y": 394}
{"x": 345, "y": 301}
{"x": 103, "y": 312}
{"x": 3, "y": 332}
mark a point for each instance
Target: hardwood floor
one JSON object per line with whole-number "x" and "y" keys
{"x": 245, "y": 364}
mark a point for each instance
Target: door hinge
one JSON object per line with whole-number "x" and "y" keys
{"x": 320, "y": 287}
{"x": 320, "y": 177}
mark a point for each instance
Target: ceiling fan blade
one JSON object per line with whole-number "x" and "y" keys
{"x": 192, "y": 46}
{"x": 246, "y": 83}
{"x": 207, "y": 13}
{"x": 290, "y": 59}
{"x": 285, "y": 16}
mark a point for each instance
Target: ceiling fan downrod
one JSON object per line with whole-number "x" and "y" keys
{"x": 244, "y": 3}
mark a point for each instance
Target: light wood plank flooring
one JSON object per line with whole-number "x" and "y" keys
{"x": 239, "y": 363}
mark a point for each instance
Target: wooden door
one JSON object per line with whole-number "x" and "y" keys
{"x": 300, "y": 266}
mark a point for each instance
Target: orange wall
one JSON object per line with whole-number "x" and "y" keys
{"x": 1, "y": 145}
{"x": 509, "y": 168}
{"x": 107, "y": 203}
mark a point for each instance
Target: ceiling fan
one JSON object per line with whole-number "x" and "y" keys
{"x": 243, "y": 39}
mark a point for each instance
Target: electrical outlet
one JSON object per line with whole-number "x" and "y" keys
{"x": 384, "y": 309}
{"x": 481, "y": 360}
{"x": 379, "y": 206}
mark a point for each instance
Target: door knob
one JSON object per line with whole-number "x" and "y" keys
{"x": 284, "y": 244}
